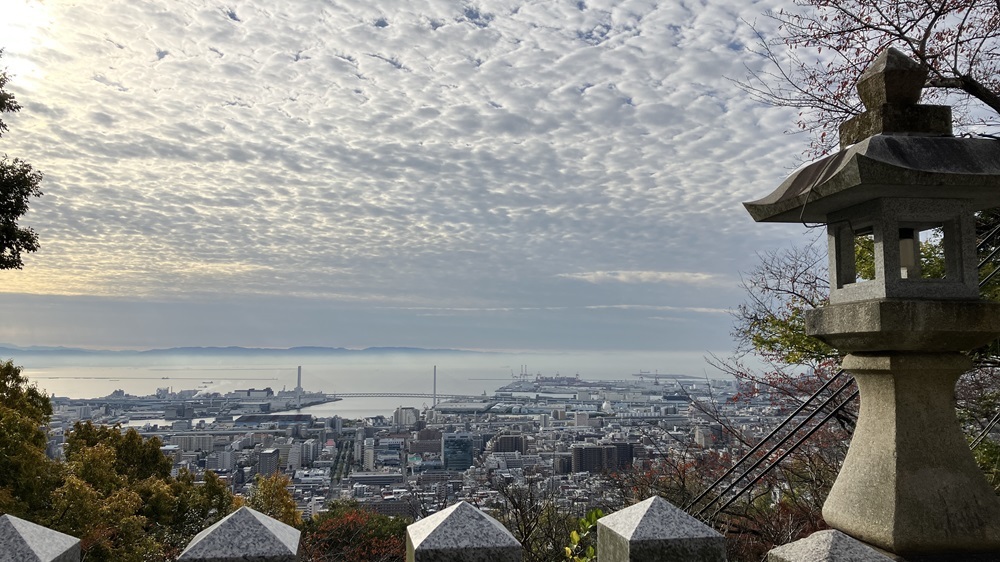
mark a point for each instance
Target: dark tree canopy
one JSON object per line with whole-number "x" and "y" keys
{"x": 18, "y": 184}
{"x": 822, "y": 46}
{"x": 135, "y": 458}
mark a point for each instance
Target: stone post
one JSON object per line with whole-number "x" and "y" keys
{"x": 461, "y": 533}
{"x": 826, "y": 546}
{"x": 245, "y": 535}
{"x": 25, "y": 541}
{"x": 655, "y": 531}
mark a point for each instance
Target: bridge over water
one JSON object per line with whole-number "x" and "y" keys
{"x": 340, "y": 395}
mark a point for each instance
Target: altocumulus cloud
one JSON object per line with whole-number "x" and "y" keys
{"x": 689, "y": 277}
{"x": 419, "y": 153}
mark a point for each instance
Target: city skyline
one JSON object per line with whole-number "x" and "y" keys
{"x": 496, "y": 175}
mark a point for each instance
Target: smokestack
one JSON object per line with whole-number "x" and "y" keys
{"x": 298, "y": 391}
{"x": 434, "y": 401}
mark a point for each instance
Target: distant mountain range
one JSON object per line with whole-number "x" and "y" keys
{"x": 8, "y": 350}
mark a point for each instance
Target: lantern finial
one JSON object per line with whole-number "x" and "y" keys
{"x": 890, "y": 89}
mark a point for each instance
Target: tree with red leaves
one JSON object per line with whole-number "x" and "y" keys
{"x": 348, "y": 532}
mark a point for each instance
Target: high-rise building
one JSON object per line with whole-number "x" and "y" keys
{"x": 359, "y": 442}
{"x": 227, "y": 460}
{"x": 623, "y": 455}
{"x": 212, "y": 462}
{"x": 268, "y": 462}
{"x": 295, "y": 456}
{"x": 284, "y": 451}
{"x": 204, "y": 443}
{"x": 510, "y": 444}
{"x": 457, "y": 450}
{"x": 593, "y": 458}
{"x": 405, "y": 417}
{"x": 710, "y": 435}
{"x": 311, "y": 449}
{"x": 428, "y": 434}
{"x": 337, "y": 424}
{"x": 369, "y": 454}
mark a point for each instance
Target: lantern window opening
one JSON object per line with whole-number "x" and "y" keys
{"x": 864, "y": 255}
{"x": 925, "y": 249}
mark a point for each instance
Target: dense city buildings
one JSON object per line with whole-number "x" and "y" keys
{"x": 562, "y": 435}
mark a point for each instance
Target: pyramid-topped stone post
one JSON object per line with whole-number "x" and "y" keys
{"x": 245, "y": 535}
{"x": 826, "y": 546}
{"x": 25, "y": 541}
{"x": 655, "y": 531}
{"x": 909, "y": 484}
{"x": 461, "y": 533}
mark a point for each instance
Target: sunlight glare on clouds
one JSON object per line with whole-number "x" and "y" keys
{"x": 20, "y": 34}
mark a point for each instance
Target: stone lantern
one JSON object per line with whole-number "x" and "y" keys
{"x": 909, "y": 484}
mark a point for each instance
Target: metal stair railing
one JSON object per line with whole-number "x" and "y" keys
{"x": 993, "y": 234}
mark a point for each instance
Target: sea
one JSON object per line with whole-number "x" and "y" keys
{"x": 476, "y": 373}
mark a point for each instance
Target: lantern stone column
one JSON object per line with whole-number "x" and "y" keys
{"x": 909, "y": 484}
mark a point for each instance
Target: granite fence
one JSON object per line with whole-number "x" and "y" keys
{"x": 652, "y": 530}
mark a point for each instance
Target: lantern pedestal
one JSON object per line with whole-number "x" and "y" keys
{"x": 909, "y": 484}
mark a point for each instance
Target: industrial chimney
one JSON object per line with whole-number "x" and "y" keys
{"x": 298, "y": 391}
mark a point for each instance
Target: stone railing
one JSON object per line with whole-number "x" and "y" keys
{"x": 647, "y": 531}
{"x": 245, "y": 535}
{"x": 652, "y": 530}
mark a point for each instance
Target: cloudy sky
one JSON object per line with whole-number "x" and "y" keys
{"x": 511, "y": 174}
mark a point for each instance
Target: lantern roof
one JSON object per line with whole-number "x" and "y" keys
{"x": 887, "y": 166}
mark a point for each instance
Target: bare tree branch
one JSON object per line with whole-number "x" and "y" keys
{"x": 820, "y": 49}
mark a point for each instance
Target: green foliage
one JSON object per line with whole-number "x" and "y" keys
{"x": 781, "y": 288}
{"x": 119, "y": 498}
{"x": 932, "y": 263}
{"x": 107, "y": 522}
{"x": 99, "y": 504}
{"x": 26, "y": 474}
{"x": 178, "y": 509}
{"x": 114, "y": 491}
{"x": 987, "y": 456}
{"x": 583, "y": 539}
{"x": 18, "y": 394}
{"x": 864, "y": 257}
{"x": 7, "y": 102}
{"x": 270, "y": 496}
{"x": 18, "y": 184}
{"x": 135, "y": 458}
{"x": 781, "y": 336}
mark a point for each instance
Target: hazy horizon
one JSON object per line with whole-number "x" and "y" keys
{"x": 92, "y": 376}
